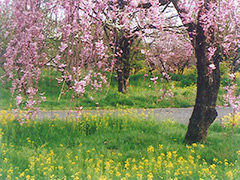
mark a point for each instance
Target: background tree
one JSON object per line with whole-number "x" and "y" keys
{"x": 91, "y": 37}
{"x": 124, "y": 28}
{"x": 170, "y": 52}
{"x": 119, "y": 24}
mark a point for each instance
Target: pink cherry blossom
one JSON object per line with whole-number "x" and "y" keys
{"x": 43, "y": 99}
{"x": 232, "y": 77}
{"x": 97, "y": 35}
{"x": 154, "y": 78}
{"x": 32, "y": 91}
{"x": 18, "y": 100}
{"x": 63, "y": 47}
{"x": 211, "y": 51}
{"x": 79, "y": 87}
{"x": 134, "y": 3}
{"x": 212, "y": 66}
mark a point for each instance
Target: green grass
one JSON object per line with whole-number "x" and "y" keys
{"x": 142, "y": 93}
{"x": 114, "y": 147}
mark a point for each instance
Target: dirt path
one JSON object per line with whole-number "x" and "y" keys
{"x": 181, "y": 115}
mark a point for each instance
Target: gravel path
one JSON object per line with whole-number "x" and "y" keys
{"x": 181, "y": 115}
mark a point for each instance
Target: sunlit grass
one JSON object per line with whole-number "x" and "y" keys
{"x": 114, "y": 147}
{"x": 142, "y": 94}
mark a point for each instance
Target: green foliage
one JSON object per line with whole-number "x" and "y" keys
{"x": 224, "y": 69}
{"x": 184, "y": 80}
{"x": 138, "y": 63}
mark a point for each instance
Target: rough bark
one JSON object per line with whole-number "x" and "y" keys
{"x": 123, "y": 73}
{"x": 204, "y": 112}
{"x": 124, "y": 64}
{"x": 123, "y": 80}
{"x": 208, "y": 83}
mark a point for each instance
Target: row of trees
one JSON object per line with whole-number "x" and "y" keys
{"x": 98, "y": 36}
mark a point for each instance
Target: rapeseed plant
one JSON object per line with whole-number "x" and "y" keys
{"x": 231, "y": 120}
{"x": 102, "y": 147}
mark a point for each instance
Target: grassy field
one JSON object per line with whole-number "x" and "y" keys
{"x": 142, "y": 94}
{"x": 110, "y": 147}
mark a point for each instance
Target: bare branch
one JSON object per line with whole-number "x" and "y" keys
{"x": 145, "y": 5}
{"x": 166, "y": 7}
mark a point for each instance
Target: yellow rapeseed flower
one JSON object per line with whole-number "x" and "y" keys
{"x": 150, "y": 176}
{"x": 22, "y": 174}
{"x": 194, "y": 145}
{"x": 102, "y": 178}
{"x": 134, "y": 168}
{"x": 128, "y": 175}
{"x": 169, "y": 165}
{"x": 118, "y": 174}
{"x": 169, "y": 155}
{"x": 10, "y": 171}
{"x": 160, "y": 146}
{"x": 226, "y": 162}
{"x": 76, "y": 178}
{"x": 174, "y": 153}
{"x": 213, "y": 166}
{"x": 150, "y": 149}
{"x": 192, "y": 151}
{"x": 52, "y": 176}
{"x": 213, "y": 176}
{"x": 5, "y": 160}
{"x": 139, "y": 175}
{"x": 97, "y": 169}
{"x": 229, "y": 174}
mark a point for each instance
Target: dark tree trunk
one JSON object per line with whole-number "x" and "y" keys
{"x": 123, "y": 79}
{"x": 124, "y": 64}
{"x": 204, "y": 112}
{"x": 208, "y": 83}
